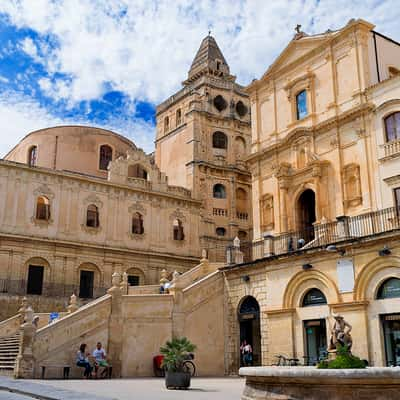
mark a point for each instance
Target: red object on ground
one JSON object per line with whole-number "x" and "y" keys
{"x": 158, "y": 361}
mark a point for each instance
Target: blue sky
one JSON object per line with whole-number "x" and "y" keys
{"x": 109, "y": 62}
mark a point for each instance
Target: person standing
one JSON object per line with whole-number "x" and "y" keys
{"x": 246, "y": 353}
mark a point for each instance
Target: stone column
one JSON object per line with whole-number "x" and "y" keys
{"x": 283, "y": 206}
{"x": 25, "y": 361}
{"x": 115, "y": 325}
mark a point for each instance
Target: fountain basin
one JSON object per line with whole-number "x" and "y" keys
{"x": 310, "y": 383}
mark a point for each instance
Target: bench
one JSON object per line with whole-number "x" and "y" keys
{"x": 66, "y": 369}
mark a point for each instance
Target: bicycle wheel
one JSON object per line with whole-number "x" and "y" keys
{"x": 188, "y": 366}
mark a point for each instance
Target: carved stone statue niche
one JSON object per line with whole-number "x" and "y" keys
{"x": 351, "y": 179}
{"x": 267, "y": 212}
{"x": 340, "y": 334}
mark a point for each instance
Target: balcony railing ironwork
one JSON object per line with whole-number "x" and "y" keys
{"x": 320, "y": 235}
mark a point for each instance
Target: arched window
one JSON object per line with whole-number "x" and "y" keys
{"x": 220, "y": 141}
{"x": 220, "y": 231}
{"x": 178, "y": 117}
{"x": 137, "y": 171}
{"x": 301, "y": 104}
{"x": 314, "y": 297}
{"x": 178, "y": 230}
{"x": 32, "y": 156}
{"x": 92, "y": 216}
{"x": 137, "y": 224}
{"x": 43, "y": 208}
{"x": 392, "y": 126}
{"x": 249, "y": 306}
{"x": 219, "y": 191}
{"x": 389, "y": 289}
{"x": 166, "y": 124}
{"x": 105, "y": 157}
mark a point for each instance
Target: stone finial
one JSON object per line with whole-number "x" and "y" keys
{"x": 175, "y": 276}
{"x": 204, "y": 256}
{"x": 236, "y": 242}
{"x": 73, "y": 304}
{"x": 22, "y": 309}
{"x": 164, "y": 277}
{"x": 116, "y": 279}
{"x": 29, "y": 315}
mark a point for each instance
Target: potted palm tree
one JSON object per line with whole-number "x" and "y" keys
{"x": 175, "y": 354}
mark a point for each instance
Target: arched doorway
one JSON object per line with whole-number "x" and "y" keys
{"x": 249, "y": 321}
{"x": 306, "y": 215}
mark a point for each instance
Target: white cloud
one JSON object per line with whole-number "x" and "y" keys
{"x": 29, "y": 47}
{"x": 20, "y": 115}
{"x": 145, "y": 47}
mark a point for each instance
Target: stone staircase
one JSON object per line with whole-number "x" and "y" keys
{"x": 9, "y": 346}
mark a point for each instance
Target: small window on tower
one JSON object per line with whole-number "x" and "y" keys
{"x": 220, "y": 103}
{"x": 166, "y": 124}
{"x": 178, "y": 117}
{"x": 220, "y": 231}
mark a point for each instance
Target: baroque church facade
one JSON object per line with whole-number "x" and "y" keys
{"x": 290, "y": 185}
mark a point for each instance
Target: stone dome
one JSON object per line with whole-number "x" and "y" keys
{"x": 81, "y": 149}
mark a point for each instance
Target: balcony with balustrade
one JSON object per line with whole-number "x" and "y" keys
{"x": 345, "y": 230}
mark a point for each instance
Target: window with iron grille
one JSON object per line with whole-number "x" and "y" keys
{"x": 43, "y": 208}
{"x": 178, "y": 230}
{"x": 92, "y": 216}
{"x": 137, "y": 224}
{"x": 220, "y": 141}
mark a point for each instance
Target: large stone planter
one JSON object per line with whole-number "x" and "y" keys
{"x": 177, "y": 380}
{"x": 309, "y": 383}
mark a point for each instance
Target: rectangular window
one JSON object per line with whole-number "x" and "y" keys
{"x": 397, "y": 198}
{"x": 86, "y": 284}
{"x": 133, "y": 280}
{"x": 35, "y": 280}
{"x": 301, "y": 104}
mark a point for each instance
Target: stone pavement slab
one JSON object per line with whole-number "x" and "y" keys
{"x": 19, "y": 389}
{"x": 153, "y": 388}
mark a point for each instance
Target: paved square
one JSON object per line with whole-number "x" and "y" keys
{"x": 154, "y": 388}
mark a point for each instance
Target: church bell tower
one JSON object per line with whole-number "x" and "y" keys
{"x": 203, "y": 138}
